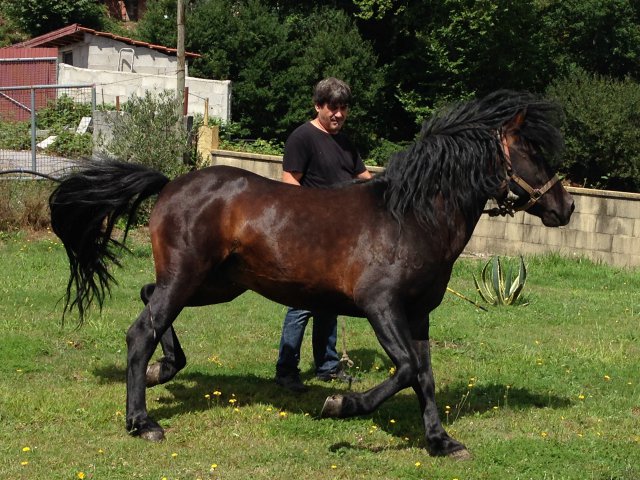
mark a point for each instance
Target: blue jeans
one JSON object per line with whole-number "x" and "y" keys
{"x": 323, "y": 340}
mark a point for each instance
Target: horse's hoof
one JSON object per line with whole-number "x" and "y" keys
{"x": 153, "y": 374}
{"x": 332, "y": 407}
{"x": 463, "y": 454}
{"x": 153, "y": 435}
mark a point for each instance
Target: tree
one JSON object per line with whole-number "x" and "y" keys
{"x": 274, "y": 57}
{"x": 36, "y": 17}
{"x": 598, "y": 36}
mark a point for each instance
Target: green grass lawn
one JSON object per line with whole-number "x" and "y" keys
{"x": 545, "y": 391}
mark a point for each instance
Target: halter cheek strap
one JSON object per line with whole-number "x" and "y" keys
{"x": 507, "y": 206}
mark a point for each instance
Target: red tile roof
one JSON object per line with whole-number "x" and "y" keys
{"x": 75, "y": 33}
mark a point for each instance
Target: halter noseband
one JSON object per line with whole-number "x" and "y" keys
{"x": 506, "y": 206}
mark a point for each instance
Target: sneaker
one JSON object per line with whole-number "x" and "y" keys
{"x": 338, "y": 374}
{"x": 292, "y": 383}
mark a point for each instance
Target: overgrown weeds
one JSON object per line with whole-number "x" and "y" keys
{"x": 25, "y": 204}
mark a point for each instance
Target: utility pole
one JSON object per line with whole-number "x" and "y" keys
{"x": 181, "y": 58}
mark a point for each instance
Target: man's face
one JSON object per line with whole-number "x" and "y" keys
{"x": 332, "y": 117}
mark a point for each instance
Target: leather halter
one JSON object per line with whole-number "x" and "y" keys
{"x": 506, "y": 206}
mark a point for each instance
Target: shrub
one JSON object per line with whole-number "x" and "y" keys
{"x": 63, "y": 114}
{"x": 72, "y": 145}
{"x": 15, "y": 135}
{"x": 601, "y": 130}
{"x": 149, "y": 133}
{"x": 26, "y": 204}
{"x": 381, "y": 153}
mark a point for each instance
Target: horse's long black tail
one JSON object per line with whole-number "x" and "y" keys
{"x": 84, "y": 210}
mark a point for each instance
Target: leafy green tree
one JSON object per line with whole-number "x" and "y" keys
{"x": 599, "y": 36}
{"x": 274, "y": 58}
{"x": 36, "y": 17}
{"x": 158, "y": 24}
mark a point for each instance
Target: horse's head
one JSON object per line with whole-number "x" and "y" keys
{"x": 531, "y": 185}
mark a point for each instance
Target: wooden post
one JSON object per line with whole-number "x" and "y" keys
{"x": 180, "y": 79}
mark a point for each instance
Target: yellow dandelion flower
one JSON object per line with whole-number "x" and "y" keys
{"x": 81, "y": 475}
{"x": 581, "y": 397}
{"x": 236, "y": 409}
{"x": 417, "y": 464}
{"x": 392, "y": 370}
{"x": 100, "y": 451}
{"x": 282, "y": 414}
{"x": 543, "y": 434}
{"x": 392, "y": 421}
{"x": 269, "y": 409}
{"x": 607, "y": 378}
{"x": 214, "y": 466}
{"x": 217, "y": 393}
{"x": 174, "y": 455}
{"x": 26, "y": 449}
{"x": 207, "y": 396}
{"x": 24, "y": 464}
{"x": 333, "y": 467}
{"x": 447, "y": 407}
{"x": 232, "y": 401}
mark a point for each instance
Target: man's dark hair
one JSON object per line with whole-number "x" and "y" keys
{"x": 331, "y": 91}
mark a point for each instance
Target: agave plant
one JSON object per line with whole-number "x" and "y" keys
{"x": 500, "y": 287}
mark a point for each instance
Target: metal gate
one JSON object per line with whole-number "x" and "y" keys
{"x": 45, "y": 128}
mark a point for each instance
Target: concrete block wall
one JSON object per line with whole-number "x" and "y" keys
{"x": 605, "y": 226}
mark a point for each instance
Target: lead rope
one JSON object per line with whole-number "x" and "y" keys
{"x": 345, "y": 361}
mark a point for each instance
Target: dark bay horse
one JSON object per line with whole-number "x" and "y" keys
{"x": 381, "y": 249}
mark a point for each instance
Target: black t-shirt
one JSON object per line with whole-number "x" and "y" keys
{"x": 322, "y": 158}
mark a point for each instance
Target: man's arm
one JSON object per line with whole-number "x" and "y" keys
{"x": 364, "y": 175}
{"x": 292, "y": 177}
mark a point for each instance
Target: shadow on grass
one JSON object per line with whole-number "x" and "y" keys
{"x": 187, "y": 394}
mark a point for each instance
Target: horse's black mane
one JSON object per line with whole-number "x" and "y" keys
{"x": 458, "y": 155}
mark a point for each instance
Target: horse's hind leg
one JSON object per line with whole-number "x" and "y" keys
{"x": 142, "y": 339}
{"x": 174, "y": 358}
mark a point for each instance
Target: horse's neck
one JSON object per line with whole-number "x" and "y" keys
{"x": 453, "y": 229}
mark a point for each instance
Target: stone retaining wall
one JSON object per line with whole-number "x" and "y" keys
{"x": 605, "y": 226}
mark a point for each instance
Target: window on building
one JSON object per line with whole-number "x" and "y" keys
{"x": 67, "y": 57}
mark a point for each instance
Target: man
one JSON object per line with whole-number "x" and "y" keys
{"x": 317, "y": 154}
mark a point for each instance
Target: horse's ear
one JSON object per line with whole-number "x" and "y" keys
{"x": 516, "y": 122}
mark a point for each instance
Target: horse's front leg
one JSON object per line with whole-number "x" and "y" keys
{"x": 391, "y": 328}
{"x": 438, "y": 441}
{"x": 174, "y": 358}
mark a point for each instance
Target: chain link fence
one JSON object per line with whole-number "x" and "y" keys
{"x": 45, "y": 128}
